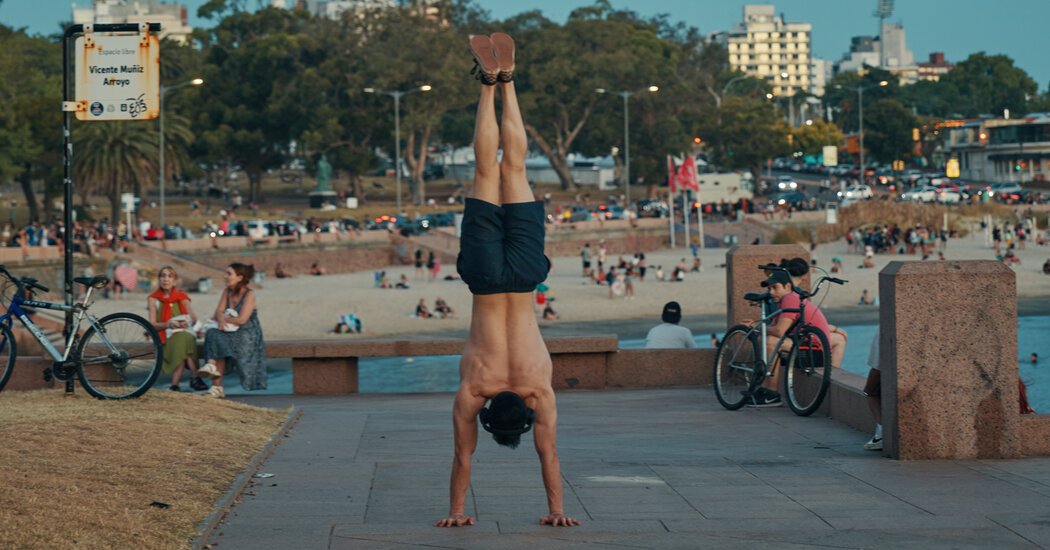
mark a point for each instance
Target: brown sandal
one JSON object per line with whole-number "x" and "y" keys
{"x": 504, "y": 46}
{"x": 486, "y": 66}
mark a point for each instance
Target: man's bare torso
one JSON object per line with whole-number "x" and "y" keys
{"x": 505, "y": 350}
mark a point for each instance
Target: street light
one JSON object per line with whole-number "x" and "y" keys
{"x": 160, "y": 115}
{"x": 397, "y": 130}
{"x": 860, "y": 112}
{"x": 725, "y": 89}
{"x": 627, "y": 139}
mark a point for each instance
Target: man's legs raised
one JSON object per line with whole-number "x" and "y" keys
{"x": 486, "y": 148}
{"x": 515, "y": 185}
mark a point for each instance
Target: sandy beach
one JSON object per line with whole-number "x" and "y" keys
{"x": 308, "y": 307}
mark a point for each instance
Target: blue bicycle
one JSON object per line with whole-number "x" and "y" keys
{"x": 116, "y": 357}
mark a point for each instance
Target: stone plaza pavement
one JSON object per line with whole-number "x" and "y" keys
{"x": 655, "y": 468}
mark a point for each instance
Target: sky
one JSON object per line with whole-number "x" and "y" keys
{"x": 958, "y": 28}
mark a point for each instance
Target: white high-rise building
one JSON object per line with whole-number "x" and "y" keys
{"x": 767, "y": 47}
{"x": 334, "y": 9}
{"x": 894, "y": 45}
{"x": 818, "y": 79}
{"x": 171, "y": 16}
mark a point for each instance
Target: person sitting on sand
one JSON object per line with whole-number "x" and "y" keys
{"x": 549, "y": 314}
{"x": 402, "y": 282}
{"x": 316, "y": 269}
{"x": 421, "y": 310}
{"x": 442, "y": 307}
{"x": 280, "y": 273}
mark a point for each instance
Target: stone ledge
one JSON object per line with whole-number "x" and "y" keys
{"x": 1035, "y": 435}
{"x": 395, "y": 348}
{"x": 643, "y": 368}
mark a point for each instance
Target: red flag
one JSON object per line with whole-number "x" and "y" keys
{"x": 687, "y": 176}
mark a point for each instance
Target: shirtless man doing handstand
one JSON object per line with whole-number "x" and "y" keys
{"x": 505, "y": 362}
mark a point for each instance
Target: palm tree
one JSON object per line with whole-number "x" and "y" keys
{"x": 115, "y": 157}
{"x": 177, "y": 140}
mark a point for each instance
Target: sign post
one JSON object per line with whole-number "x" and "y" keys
{"x": 116, "y": 69}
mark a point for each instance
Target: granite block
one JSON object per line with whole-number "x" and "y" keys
{"x": 743, "y": 275}
{"x": 660, "y": 367}
{"x": 948, "y": 349}
{"x": 324, "y": 376}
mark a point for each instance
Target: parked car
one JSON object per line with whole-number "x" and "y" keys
{"x": 579, "y": 214}
{"x": 856, "y": 192}
{"x": 926, "y": 193}
{"x": 911, "y": 175}
{"x": 786, "y": 183}
{"x": 609, "y": 212}
{"x": 793, "y": 198}
{"x": 999, "y": 189}
{"x": 652, "y": 208}
{"x": 885, "y": 177}
{"x": 932, "y": 178}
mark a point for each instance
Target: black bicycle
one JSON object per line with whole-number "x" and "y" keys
{"x": 803, "y": 350}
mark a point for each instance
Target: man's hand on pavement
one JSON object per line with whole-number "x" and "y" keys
{"x": 558, "y": 520}
{"x": 455, "y": 520}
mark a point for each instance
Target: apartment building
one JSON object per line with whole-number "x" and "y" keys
{"x": 767, "y": 47}
{"x": 935, "y": 68}
{"x": 171, "y": 16}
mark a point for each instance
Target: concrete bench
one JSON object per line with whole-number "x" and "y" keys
{"x": 329, "y": 367}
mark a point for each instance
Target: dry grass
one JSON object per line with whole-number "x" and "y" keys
{"x": 77, "y": 472}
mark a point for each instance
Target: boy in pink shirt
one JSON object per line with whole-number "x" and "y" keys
{"x": 782, "y": 289}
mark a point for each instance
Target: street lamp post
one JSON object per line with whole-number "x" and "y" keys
{"x": 160, "y": 115}
{"x": 860, "y": 113}
{"x": 627, "y": 139}
{"x": 725, "y": 89}
{"x": 397, "y": 94}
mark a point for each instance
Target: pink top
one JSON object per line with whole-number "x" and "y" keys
{"x": 814, "y": 316}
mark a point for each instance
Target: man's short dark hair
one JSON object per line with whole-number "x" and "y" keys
{"x": 672, "y": 313}
{"x": 506, "y": 418}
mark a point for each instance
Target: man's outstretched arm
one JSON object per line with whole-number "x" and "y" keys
{"x": 546, "y": 436}
{"x": 465, "y": 427}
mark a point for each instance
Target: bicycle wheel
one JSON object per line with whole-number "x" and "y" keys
{"x": 8, "y": 352}
{"x": 808, "y": 371}
{"x": 120, "y": 357}
{"x": 736, "y": 363}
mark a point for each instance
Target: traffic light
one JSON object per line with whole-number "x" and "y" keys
{"x": 915, "y": 134}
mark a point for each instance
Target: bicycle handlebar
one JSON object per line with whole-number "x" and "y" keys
{"x": 23, "y": 283}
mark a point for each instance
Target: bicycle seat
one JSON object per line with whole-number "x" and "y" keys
{"x": 97, "y": 282}
{"x": 757, "y": 296}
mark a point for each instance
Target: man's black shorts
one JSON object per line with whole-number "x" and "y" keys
{"x": 501, "y": 247}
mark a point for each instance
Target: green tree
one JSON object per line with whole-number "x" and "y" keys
{"x": 406, "y": 51}
{"x": 29, "y": 149}
{"x": 252, "y": 104}
{"x": 888, "y": 130}
{"x": 563, "y": 65}
{"x": 988, "y": 84}
{"x": 842, "y": 97}
{"x": 750, "y": 132}
{"x": 114, "y": 158}
{"x": 811, "y": 139}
